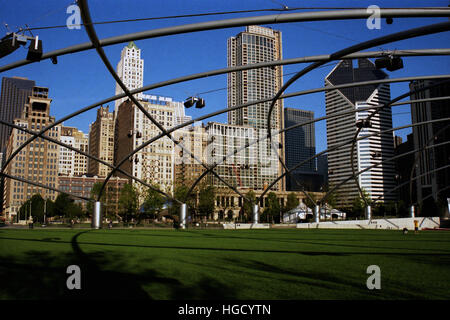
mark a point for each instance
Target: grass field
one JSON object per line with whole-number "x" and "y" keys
{"x": 224, "y": 264}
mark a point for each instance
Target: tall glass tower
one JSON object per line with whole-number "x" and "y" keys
{"x": 258, "y": 44}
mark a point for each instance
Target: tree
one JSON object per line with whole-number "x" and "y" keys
{"x": 309, "y": 203}
{"x": 332, "y": 197}
{"x": 179, "y": 193}
{"x": 359, "y": 203}
{"x": 206, "y": 198}
{"x": 62, "y": 203}
{"x": 291, "y": 203}
{"x": 247, "y": 208}
{"x": 273, "y": 208}
{"x": 153, "y": 203}
{"x": 33, "y": 206}
{"x": 128, "y": 202}
{"x": 104, "y": 199}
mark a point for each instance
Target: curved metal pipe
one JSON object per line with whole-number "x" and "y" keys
{"x": 326, "y": 88}
{"x": 402, "y": 35}
{"x": 302, "y": 124}
{"x": 239, "y": 22}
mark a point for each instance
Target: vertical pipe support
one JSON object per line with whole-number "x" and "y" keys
{"x": 412, "y": 211}
{"x": 255, "y": 213}
{"x": 368, "y": 212}
{"x": 317, "y": 213}
{"x": 183, "y": 209}
{"x": 97, "y": 216}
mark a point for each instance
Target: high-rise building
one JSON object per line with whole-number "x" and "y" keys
{"x": 438, "y": 132}
{"x": 130, "y": 70}
{"x": 72, "y": 163}
{"x": 101, "y": 142}
{"x": 403, "y": 167}
{"x": 300, "y": 145}
{"x": 377, "y": 181}
{"x": 240, "y": 169}
{"x": 14, "y": 95}
{"x": 38, "y": 161}
{"x": 257, "y": 44}
{"x": 322, "y": 167}
{"x": 155, "y": 162}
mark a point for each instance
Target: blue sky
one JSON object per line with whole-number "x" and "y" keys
{"x": 81, "y": 79}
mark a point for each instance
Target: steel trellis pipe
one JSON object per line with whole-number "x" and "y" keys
{"x": 239, "y": 22}
{"x": 411, "y": 52}
{"x": 93, "y": 36}
{"x": 326, "y": 88}
{"x": 402, "y": 35}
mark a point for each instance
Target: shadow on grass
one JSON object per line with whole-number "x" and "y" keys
{"x": 104, "y": 275}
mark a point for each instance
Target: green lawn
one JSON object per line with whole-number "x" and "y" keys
{"x": 224, "y": 264}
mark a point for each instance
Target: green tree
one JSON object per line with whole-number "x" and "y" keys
{"x": 291, "y": 203}
{"x": 332, "y": 197}
{"x": 128, "y": 202}
{"x": 61, "y": 204}
{"x": 309, "y": 203}
{"x": 105, "y": 199}
{"x": 359, "y": 203}
{"x": 272, "y": 211}
{"x": 153, "y": 203}
{"x": 179, "y": 193}
{"x": 206, "y": 201}
{"x": 33, "y": 207}
{"x": 247, "y": 208}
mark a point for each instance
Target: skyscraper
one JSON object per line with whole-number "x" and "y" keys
{"x": 257, "y": 44}
{"x": 14, "y": 95}
{"x": 130, "y": 70}
{"x": 101, "y": 142}
{"x": 300, "y": 145}
{"x": 155, "y": 162}
{"x": 38, "y": 161}
{"x": 438, "y": 132}
{"x": 377, "y": 181}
